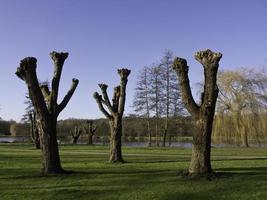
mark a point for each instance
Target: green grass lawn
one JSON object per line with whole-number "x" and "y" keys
{"x": 150, "y": 173}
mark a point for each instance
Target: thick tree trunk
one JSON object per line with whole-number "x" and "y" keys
{"x": 90, "y": 139}
{"x": 201, "y": 148}
{"x": 50, "y": 152}
{"x": 74, "y": 140}
{"x": 115, "y": 141}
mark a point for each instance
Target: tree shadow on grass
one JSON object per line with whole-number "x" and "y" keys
{"x": 242, "y": 171}
{"x": 117, "y": 172}
{"x": 159, "y": 161}
{"x": 237, "y": 159}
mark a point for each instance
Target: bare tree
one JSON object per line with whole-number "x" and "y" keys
{"x": 171, "y": 100}
{"x": 90, "y": 130}
{"x": 141, "y": 101}
{"x": 45, "y": 104}
{"x": 156, "y": 97}
{"x": 76, "y": 133}
{"x": 203, "y": 114}
{"x": 114, "y": 113}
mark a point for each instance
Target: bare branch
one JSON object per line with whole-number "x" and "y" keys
{"x": 99, "y": 102}
{"x": 58, "y": 59}
{"x": 124, "y": 73}
{"x": 68, "y": 96}
{"x": 181, "y": 68}
{"x": 115, "y": 99}
{"x": 103, "y": 88}
{"x": 210, "y": 61}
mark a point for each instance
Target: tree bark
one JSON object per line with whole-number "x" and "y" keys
{"x": 115, "y": 141}
{"x": 50, "y": 152}
{"x": 201, "y": 147}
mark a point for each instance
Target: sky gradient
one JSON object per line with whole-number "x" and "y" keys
{"x": 104, "y": 35}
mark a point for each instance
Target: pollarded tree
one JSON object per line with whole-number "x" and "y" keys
{"x": 75, "y": 134}
{"x": 45, "y": 104}
{"x": 203, "y": 114}
{"x": 114, "y": 113}
{"x": 90, "y": 130}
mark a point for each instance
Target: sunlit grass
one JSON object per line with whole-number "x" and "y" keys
{"x": 150, "y": 173}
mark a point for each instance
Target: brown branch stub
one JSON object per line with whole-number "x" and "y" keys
{"x": 208, "y": 58}
{"x": 180, "y": 64}
{"x": 124, "y": 73}
{"x": 27, "y": 64}
{"x": 106, "y": 100}
{"x": 103, "y": 86}
{"x": 59, "y": 57}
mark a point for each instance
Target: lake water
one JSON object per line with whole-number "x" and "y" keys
{"x": 130, "y": 144}
{"x": 13, "y": 139}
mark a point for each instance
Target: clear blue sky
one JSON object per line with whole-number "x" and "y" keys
{"x": 103, "y": 35}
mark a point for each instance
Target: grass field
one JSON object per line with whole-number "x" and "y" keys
{"x": 150, "y": 173}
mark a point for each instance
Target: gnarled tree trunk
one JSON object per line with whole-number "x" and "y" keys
{"x": 203, "y": 114}
{"x": 46, "y": 107}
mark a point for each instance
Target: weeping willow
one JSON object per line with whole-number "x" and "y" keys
{"x": 242, "y": 130}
